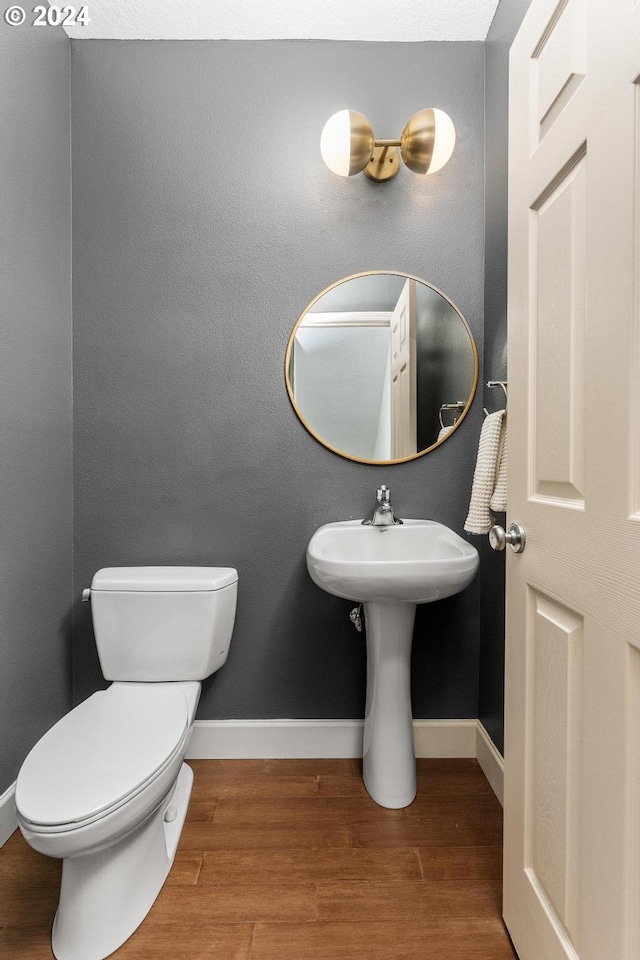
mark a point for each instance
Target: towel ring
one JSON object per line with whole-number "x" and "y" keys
{"x": 459, "y": 406}
{"x": 498, "y": 383}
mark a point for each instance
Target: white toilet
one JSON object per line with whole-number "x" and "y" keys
{"x": 106, "y": 788}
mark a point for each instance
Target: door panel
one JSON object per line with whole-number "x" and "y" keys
{"x": 556, "y": 638}
{"x": 558, "y": 292}
{"x": 558, "y": 64}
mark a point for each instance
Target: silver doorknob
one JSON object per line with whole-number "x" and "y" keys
{"x": 516, "y": 538}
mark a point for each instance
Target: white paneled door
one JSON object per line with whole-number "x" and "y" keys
{"x": 572, "y": 746}
{"x": 403, "y": 374}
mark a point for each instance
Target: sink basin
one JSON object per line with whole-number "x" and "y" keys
{"x": 390, "y": 569}
{"x": 416, "y": 562}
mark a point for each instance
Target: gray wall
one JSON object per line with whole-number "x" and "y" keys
{"x": 204, "y": 223}
{"x": 35, "y": 390}
{"x": 505, "y": 25}
{"x": 444, "y": 361}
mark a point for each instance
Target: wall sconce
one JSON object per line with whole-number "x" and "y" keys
{"x": 348, "y": 145}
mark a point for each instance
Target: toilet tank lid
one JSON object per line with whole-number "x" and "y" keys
{"x": 164, "y": 579}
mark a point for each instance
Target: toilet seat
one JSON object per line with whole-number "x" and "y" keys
{"x": 101, "y": 755}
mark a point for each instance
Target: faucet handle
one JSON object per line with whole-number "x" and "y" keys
{"x": 383, "y": 494}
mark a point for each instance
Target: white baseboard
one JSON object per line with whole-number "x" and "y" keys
{"x": 253, "y": 739}
{"x": 272, "y": 739}
{"x": 8, "y": 819}
{"x": 444, "y": 738}
{"x": 490, "y": 760}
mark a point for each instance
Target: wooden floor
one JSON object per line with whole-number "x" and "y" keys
{"x": 292, "y": 860}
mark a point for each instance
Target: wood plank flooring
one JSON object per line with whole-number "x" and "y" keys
{"x": 292, "y": 860}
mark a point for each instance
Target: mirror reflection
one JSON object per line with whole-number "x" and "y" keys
{"x": 381, "y": 367}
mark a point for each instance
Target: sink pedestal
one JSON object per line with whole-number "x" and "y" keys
{"x": 389, "y": 764}
{"x": 390, "y": 569}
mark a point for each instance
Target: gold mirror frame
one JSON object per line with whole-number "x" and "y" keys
{"x": 289, "y": 350}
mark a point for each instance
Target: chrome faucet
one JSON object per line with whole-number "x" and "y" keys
{"x": 382, "y": 515}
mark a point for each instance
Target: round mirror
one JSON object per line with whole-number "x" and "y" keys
{"x": 381, "y": 367}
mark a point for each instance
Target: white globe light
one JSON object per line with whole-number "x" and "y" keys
{"x": 335, "y": 143}
{"x": 444, "y": 140}
{"x": 346, "y": 142}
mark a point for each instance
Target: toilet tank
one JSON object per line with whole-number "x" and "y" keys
{"x": 163, "y": 623}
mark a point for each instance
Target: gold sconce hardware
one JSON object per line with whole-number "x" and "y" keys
{"x": 348, "y": 145}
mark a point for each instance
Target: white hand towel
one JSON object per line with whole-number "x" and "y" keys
{"x": 445, "y": 432}
{"x": 499, "y": 499}
{"x": 484, "y": 478}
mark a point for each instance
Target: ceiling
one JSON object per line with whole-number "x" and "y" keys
{"x": 403, "y": 20}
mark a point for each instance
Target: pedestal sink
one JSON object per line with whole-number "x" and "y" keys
{"x": 390, "y": 569}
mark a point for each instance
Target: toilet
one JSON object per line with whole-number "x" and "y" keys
{"x": 106, "y": 789}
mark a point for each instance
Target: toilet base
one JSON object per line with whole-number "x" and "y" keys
{"x": 105, "y": 896}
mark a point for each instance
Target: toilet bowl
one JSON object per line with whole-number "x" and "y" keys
{"x": 106, "y": 788}
{"x": 106, "y": 765}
